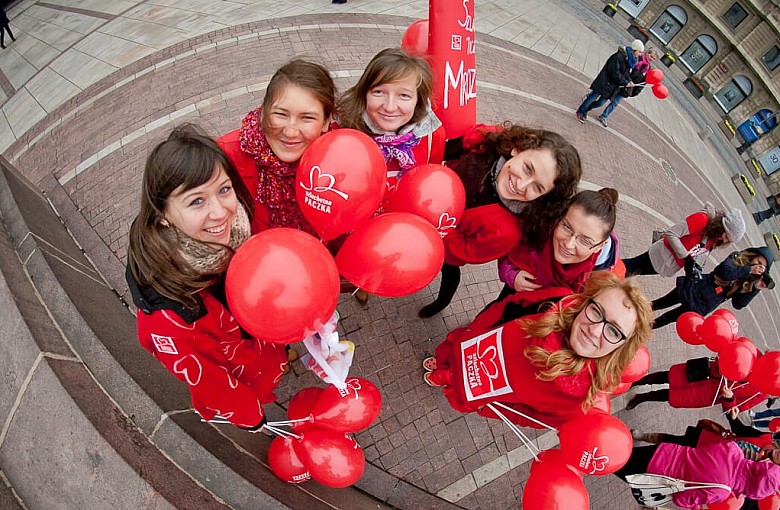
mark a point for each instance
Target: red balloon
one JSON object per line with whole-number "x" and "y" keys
{"x": 774, "y": 425}
{"x": 552, "y": 486}
{"x": 732, "y": 503}
{"x": 392, "y": 255}
{"x": 735, "y": 361}
{"x": 688, "y": 325}
{"x": 732, "y": 320}
{"x": 282, "y": 284}
{"x": 638, "y": 367}
{"x": 621, "y": 388}
{"x": 301, "y": 406}
{"x": 660, "y": 91}
{"x": 556, "y": 456}
{"x": 748, "y": 343}
{"x": 284, "y": 462}
{"x": 602, "y": 402}
{"x": 340, "y": 182}
{"x": 415, "y": 38}
{"x": 770, "y": 502}
{"x": 433, "y": 192}
{"x": 716, "y": 332}
{"x": 596, "y": 444}
{"x": 348, "y": 410}
{"x": 333, "y": 459}
{"x": 654, "y": 76}
{"x": 765, "y": 376}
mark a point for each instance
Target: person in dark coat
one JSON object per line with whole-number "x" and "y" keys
{"x": 738, "y": 278}
{"x": 615, "y": 74}
{"x": 5, "y": 27}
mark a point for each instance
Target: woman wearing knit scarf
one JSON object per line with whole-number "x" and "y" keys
{"x": 194, "y": 213}
{"x": 296, "y": 110}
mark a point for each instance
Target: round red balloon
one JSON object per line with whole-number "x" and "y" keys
{"x": 765, "y": 376}
{"x": 638, "y": 367}
{"x": 748, "y": 343}
{"x": 732, "y": 320}
{"x": 774, "y": 425}
{"x": 301, "y": 406}
{"x": 621, "y": 388}
{"x": 284, "y": 462}
{"x": 688, "y": 325}
{"x": 282, "y": 284}
{"x": 392, "y": 255}
{"x": 415, "y": 38}
{"x": 433, "y": 192}
{"x": 716, "y": 332}
{"x": 770, "y": 503}
{"x": 660, "y": 91}
{"x": 556, "y": 456}
{"x": 340, "y": 182}
{"x": 654, "y": 76}
{"x": 552, "y": 486}
{"x": 349, "y": 410}
{"x": 596, "y": 444}
{"x": 333, "y": 459}
{"x": 732, "y": 503}
{"x": 735, "y": 361}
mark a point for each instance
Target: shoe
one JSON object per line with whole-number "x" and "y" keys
{"x": 582, "y": 118}
{"x": 633, "y": 403}
{"x": 292, "y": 355}
{"x": 339, "y": 1}
{"x": 602, "y": 120}
{"x": 429, "y": 364}
{"x": 362, "y": 297}
{"x": 428, "y": 381}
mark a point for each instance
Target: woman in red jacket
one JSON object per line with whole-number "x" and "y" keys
{"x": 510, "y": 172}
{"x": 296, "y": 110}
{"x": 551, "y": 367}
{"x": 391, "y": 102}
{"x": 194, "y": 213}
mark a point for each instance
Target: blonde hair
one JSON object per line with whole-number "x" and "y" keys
{"x": 607, "y": 369}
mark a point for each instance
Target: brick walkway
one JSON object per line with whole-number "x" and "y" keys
{"x": 93, "y": 145}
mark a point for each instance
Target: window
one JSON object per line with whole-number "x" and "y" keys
{"x": 669, "y": 23}
{"x": 733, "y": 93}
{"x": 735, "y": 15}
{"x": 699, "y": 53}
{"x": 771, "y": 58}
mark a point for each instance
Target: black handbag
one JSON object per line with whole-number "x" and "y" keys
{"x": 697, "y": 369}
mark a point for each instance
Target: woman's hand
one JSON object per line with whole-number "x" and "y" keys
{"x": 727, "y": 393}
{"x": 757, "y": 269}
{"x": 525, "y": 281}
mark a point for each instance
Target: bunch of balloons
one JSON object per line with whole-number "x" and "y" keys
{"x": 595, "y": 444}
{"x": 320, "y": 447}
{"x": 653, "y": 78}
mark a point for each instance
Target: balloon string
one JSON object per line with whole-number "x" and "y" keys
{"x": 734, "y": 387}
{"x": 288, "y": 422}
{"x": 215, "y": 420}
{"x": 717, "y": 392}
{"x": 746, "y": 400}
{"x": 525, "y": 416}
{"x": 514, "y": 428}
{"x": 280, "y": 432}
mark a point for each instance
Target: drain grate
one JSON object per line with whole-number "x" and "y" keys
{"x": 669, "y": 171}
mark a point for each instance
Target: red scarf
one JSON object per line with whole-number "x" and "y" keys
{"x": 576, "y": 385}
{"x": 275, "y": 178}
{"x": 549, "y": 272}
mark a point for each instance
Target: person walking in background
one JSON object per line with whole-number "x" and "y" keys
{"x": 616, "y": 73}
{"x": 637, "y": 76}
{"x": 688, "y": 240}
{"x": 5, "y": 27}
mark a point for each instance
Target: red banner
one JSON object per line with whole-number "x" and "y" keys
{"x": 452, "y": 47}
{"x": 484, "y": 369}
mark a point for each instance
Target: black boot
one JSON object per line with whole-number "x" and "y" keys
{"x": 450, "y": 279}
{"x": 654, "y": 378}
{"x": 652, "y": 396}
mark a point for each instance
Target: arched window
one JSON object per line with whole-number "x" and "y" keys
{"x": 633, "y": 7}
{"x": 669, "y": 23}
{"x": 733, "y": 93}
{"x": 699, "y": 53}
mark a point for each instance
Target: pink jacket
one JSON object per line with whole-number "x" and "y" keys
{"x": 721, "y": 462}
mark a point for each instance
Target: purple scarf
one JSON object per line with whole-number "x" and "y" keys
{"x": 399, "y": 148}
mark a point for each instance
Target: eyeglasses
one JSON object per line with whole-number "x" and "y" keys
{"x": 610, "y": 332}
{"x": 582, "y": 241}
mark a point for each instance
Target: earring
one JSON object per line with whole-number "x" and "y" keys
{"x": 165, "y": 223}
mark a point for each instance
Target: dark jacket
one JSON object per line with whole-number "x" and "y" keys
{"x": 726, "y": 281}
{"x": 636, "y": 77}
{"x": 614, "y": 74}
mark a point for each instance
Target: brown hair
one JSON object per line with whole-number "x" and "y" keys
{"x": 387, "y": 66}
{"x": 608, "y": 369}
{"x": 186, "y": 159}
{"x": 714, "y": 228}
{"x": 602, "y": 204}
{"x": 307, "y": 75}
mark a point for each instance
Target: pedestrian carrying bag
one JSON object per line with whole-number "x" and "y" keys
{"x": 656, "y": 490}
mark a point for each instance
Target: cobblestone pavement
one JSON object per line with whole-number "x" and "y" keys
{"x": 91, "y": 85}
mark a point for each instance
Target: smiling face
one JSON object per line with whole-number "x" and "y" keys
{"x": 295, "y": 120}
{"x": 205, "y": 212}
{"x": 589, "y": 338}
{"x": 390, "y": 106}
{"x": 527, "y": 175}
{"x": 577, "y": 236}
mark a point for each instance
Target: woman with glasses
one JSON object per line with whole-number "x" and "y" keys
{"x": 552, "y": 366}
